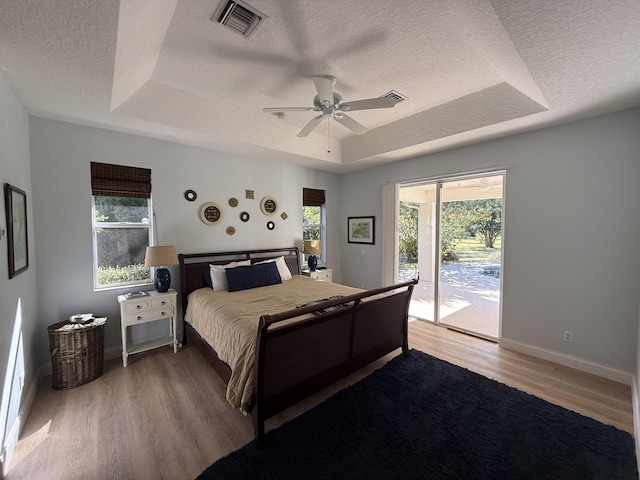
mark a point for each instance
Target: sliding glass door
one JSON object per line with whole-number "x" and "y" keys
{"x": 450, "y": 237}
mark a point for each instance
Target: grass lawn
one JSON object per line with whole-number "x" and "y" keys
{"x": 473, "y": 250}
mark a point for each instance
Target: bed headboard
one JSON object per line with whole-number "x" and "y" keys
{"x": 191, "y": 277}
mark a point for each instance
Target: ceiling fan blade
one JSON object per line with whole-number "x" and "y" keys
{"x": 287, "y": 109}
{"x": 324, "y": 87}
{"x": 310, "y": 126}
{"x": 351, "y": 124}
{"x": 381, "y": 102}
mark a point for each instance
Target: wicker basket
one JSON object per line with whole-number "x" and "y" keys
{"x": 77, "y": 353}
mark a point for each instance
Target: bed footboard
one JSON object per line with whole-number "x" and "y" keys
{"x": 295, "y": 360}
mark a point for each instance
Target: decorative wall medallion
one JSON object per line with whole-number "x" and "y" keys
{"x": 271, "y": 225}
{"x": 269, "y": 205}
{"x": 284, "y": 215}
{"x": 233, "y": 202}
{"x": 211, "y": 213}
{"x": 244, "y": 216}
{"x": 231, "y": 230}
{"x": 248, "y": 194}
{"x": 190, "y": 195}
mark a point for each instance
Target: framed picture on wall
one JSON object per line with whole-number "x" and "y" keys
{"x": 15, "y": 201}
{"x": 361, "y": 230}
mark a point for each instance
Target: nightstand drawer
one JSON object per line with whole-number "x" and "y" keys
{"x": 138, "y": 305}
{"x": 325, "y": 275}
{"x": 165, "y": 301}
{"x": 149, "y": 304}
{"x": 322, "y": 275}
{"x": 149, "y": 315}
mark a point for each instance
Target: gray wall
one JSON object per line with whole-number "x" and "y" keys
{"x": 572, "y": 224}
{"x": 60, "y": 160}
{"x": 18, "y": 296}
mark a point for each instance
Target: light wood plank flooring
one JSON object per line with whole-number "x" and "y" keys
{"x": 165, "y": 416}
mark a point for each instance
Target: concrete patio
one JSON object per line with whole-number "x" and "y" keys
{"x": 469, "y": 297}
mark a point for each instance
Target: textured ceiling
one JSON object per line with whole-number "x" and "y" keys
{"x": 471, "y": 69}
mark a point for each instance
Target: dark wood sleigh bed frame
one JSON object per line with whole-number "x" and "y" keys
{"x": 295, "y": 360}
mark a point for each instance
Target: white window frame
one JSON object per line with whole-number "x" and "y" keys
{"x": 95, "y": 225}
{"x": 323, "y": 234}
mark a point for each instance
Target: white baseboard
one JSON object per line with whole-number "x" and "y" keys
{"x": 578, "y": 363}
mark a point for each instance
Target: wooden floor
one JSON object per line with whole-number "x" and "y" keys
{"x": 165, "y": 416}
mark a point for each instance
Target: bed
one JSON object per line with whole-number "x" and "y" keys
{"x": 277, "y": 344}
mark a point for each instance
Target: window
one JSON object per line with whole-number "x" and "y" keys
{"x": 122, "y": 224}
{"x": 313, "y": 218}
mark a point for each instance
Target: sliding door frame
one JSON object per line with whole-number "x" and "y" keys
{"x": 391, "y": 244}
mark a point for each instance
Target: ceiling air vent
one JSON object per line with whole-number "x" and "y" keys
{"x": 398, "y": 97}
{"x": 238, "y": 16}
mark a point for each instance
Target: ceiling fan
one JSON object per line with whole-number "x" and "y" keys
{"x": 331, "y": 105}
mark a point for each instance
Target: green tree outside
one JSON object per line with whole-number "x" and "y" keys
{"x": 408, "y": 231}
{"x": 311, "y": 223}
{"x": 459, "y": 220}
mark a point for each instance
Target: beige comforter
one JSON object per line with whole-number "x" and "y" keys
{"x": 228, "y": 321}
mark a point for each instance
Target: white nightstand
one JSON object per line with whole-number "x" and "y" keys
{"x": 320, "y": 275}
{"x": 150, "y": 308}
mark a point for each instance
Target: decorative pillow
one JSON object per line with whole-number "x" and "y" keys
{"x": 206, "y": 273}
{"x": 283, "y": 270}
{"x": 244, "y": 278}
{"x": 218, "y": 275}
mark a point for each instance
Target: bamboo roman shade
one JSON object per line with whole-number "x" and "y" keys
{"x": 120, "y": 181}
{"x": 312, "y": 197}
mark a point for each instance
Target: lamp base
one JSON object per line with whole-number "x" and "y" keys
{"x": 312, "y": 261}
{"x": 162, "y": 280}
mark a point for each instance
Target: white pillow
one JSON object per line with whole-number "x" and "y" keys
{"x": 219, "y": 276}
{"x": 283, "y": 270}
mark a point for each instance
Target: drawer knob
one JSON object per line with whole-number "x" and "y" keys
{"x": 138, "y": 307}
{"x": 138, "y": 317}
{"x": 163, "y": 313}
{"x": 163, "y": 302}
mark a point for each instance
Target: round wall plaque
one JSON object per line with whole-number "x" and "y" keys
{"x": 269, "y": 205}
{"x": 231, "y": 230}
{"x": 190, "y": 195}
{"x": 271, "y": 225}
{"x": 211, "y": 213}
{"x": 233, "y": 202}
{"x": 244, "y": 216}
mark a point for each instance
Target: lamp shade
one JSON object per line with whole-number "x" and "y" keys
{"x": 312, "y": 247}
{"x": 160, "y": 255}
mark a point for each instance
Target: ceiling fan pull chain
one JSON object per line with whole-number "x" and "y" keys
{"x": 328, "y": 135}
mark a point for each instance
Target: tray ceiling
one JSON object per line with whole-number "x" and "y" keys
{"x": 471, "y": 70}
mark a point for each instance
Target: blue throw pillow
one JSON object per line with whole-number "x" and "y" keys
{"x": 243, "y": 278}
{"x": 206, "y": 273}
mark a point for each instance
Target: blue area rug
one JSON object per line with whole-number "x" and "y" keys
{"x": 423, "y": 418}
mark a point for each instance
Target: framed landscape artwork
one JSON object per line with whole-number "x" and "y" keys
{"x": 361, "y": 230}
{"x": 16, "y": 206}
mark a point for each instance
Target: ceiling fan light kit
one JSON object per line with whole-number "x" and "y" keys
{"x": 331, "y": 106}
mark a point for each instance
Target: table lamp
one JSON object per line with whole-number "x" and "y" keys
{"x": 160, "y": 256}
{"x": 312, "y": 248}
